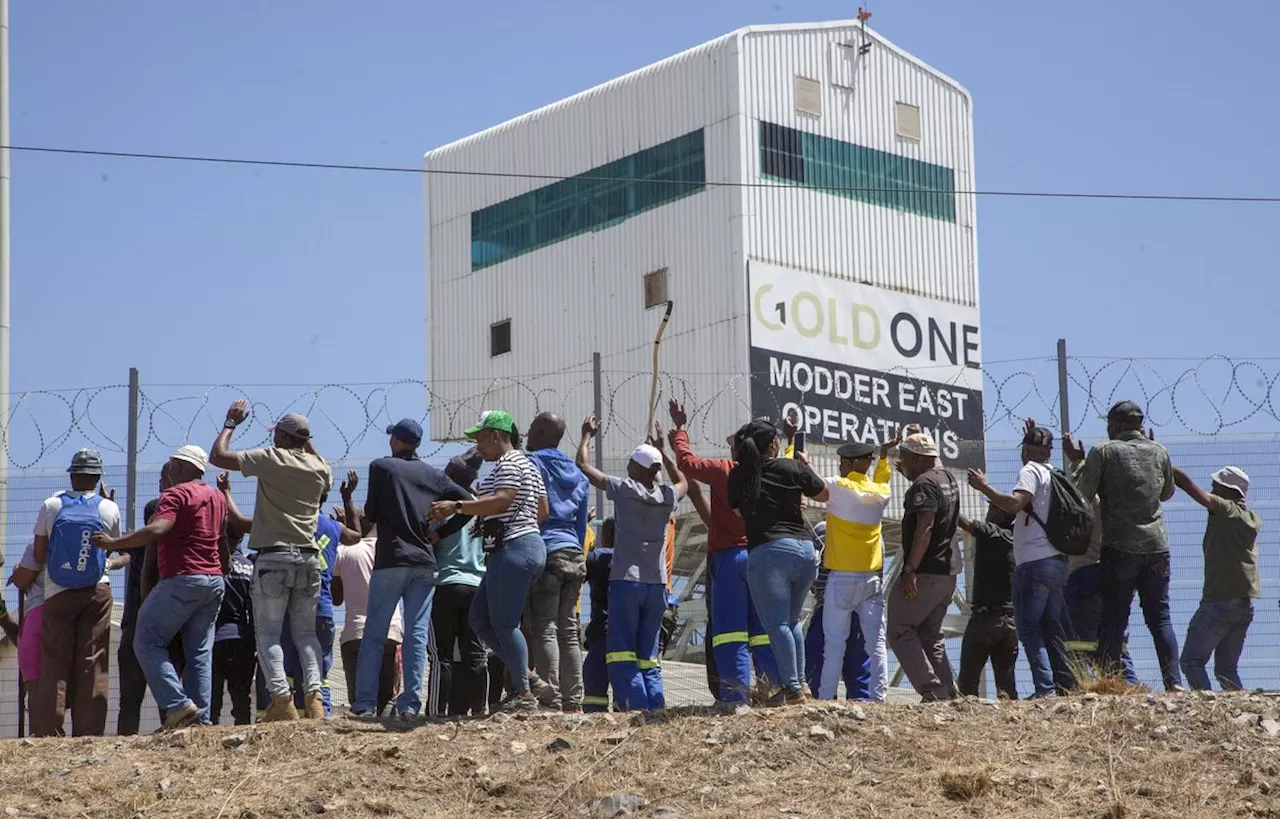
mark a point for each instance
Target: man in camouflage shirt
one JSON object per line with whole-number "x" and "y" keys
{"x": 1132, "y": 476}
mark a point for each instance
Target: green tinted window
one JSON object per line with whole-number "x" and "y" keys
{"x": 855, "y": 172}
{"x": 593, "y": 200}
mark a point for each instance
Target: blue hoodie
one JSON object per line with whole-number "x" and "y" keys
{"x": 568, "y": 493}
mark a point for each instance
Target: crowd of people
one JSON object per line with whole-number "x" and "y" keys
{"x": 462, "y": 592}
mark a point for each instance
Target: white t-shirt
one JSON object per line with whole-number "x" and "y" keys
{"x": 355, "y": 567}
{"x": 35, "y": 594}
{"x": 1029, "y": 540}
{"x": 107, "y": 510}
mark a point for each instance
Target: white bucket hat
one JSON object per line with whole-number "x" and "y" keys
{"x": 1232, "y": 477}
{"x": 193, "y": 455}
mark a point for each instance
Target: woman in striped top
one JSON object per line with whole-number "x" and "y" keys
{"x": 512, "y": 502}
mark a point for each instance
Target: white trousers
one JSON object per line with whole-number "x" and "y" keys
{"x": 849, "y": 594}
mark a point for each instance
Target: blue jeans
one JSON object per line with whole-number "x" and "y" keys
{"x": 780, "y": 573}
{"x": 500, "y": 600}
{"x": 1218, "y": 627}
{"x": 1038, "y": 608}
{"x": 1148, "y": 575}
{"x": 635, "y": 623}
{"x": 387, "y": 587}
{"x": 186, "y": 605}
{"x": 287, "y": 583}
{"x": 1084, "y": 614}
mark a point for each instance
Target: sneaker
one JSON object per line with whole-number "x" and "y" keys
{"x": 573, "y": 709}
{"x": 188, "y": 714}
{"x": 363, "y": 715}
{"x": 520, "y": 702}
{"x": 406, "y": 716}
{"x": 731, "y": 709}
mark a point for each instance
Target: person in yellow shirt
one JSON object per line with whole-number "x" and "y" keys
{"x": 854, "y": 557}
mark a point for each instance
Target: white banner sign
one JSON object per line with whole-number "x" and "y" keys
{"x": 827, "y": 319}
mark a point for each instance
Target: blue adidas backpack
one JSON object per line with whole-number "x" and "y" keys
{"x": 74, "y": 562}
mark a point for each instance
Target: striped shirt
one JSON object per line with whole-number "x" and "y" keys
{"x": 515, "y": 471}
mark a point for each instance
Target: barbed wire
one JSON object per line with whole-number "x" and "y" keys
{"x": 1206, "y": 397}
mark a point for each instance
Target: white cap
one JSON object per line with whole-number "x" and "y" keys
{"x": 1232, "y": 477}
{"x": 647, "y": 456}
{"x": 194, "y": 455}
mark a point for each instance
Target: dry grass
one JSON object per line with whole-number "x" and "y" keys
{"x": 967, "y": 784}
{"x": 1125, "y": 757}
{"x": 1109, "y": 685}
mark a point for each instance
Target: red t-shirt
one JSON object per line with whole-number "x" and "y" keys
{"x": 198, "y": 512}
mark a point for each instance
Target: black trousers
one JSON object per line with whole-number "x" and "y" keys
{"x": 464, "y": 682}
{"x": 133, "y": 687}
{"x": 234, "y": 665}
{"x": 133, "y": 682}
{"x": 989, "y": 635}
{"x": 388, "y": 679}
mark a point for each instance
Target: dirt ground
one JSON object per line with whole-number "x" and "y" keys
{"x": 1112, "y": 757}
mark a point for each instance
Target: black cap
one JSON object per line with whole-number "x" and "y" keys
{"x": 1038, "y": 436}
{"x": 1125, "y": 411}
{"x": 465, "y": 468}
{"x": 855, "y": 450}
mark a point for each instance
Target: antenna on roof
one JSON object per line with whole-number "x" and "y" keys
{"x": 863, "y": 17}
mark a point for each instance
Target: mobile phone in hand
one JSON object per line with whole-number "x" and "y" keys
{"x": 799, "y": 442}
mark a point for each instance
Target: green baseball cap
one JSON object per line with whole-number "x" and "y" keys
{"x": 493, "y": 419}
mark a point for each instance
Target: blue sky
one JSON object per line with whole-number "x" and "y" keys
{"x": 210, "y": 274}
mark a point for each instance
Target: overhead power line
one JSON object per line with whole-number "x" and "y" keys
{"x": 393, "y": 169}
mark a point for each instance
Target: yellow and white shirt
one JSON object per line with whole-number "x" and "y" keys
{"x": 854, "y": 511}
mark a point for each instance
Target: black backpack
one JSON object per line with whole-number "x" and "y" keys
{"x": 1070, "y": 524}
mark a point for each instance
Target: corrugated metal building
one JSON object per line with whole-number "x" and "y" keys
{"x": 816, "y": 158}
{"x": 803, "y": 193}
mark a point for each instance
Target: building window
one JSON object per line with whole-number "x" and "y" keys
{"x": 808, "y": 96}
{"x": 595, "y": 200}
{"x": 854, "y": 172}
{"x": 908, "y": 120}
{"x": 499, "y": 338}
{"x": 655, "y": 288}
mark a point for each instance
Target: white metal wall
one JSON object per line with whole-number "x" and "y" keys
{"x": 585, "y": 294}
{"x": 824, "y": 233}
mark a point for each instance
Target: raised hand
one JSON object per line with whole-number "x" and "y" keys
{"x": 590, "y": 426}
{"x": 1073, "y": 449}
{"x": 1029, "y": 425}
{"x": 978, "y": 479}
{"x": 679, "y": 418}
{"x": 657, "y": 435}
{"x": 348, "y": 487}
{"x": 106, "y": 492}
{"x": 791, "y": 425}
{"x": 224, "y": 481}
{"x": 887, "y": 446}
{"x": 238, "y": 412}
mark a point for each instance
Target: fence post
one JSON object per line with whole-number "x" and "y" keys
{"x": 598, "y": 386}
{"x": 131, "y": 479}
{"x": 1064, "y": 410}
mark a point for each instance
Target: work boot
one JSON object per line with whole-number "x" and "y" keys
{"x": 280, "y": 710}
{"x": 313, "y": 704}
{"x": 181, "y": 717}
